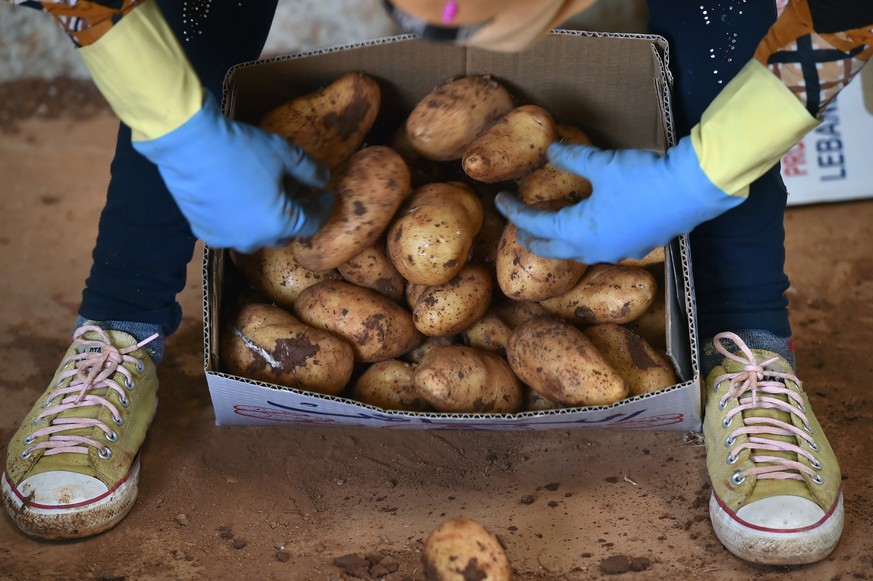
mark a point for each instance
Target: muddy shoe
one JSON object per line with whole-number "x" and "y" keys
{"x": 73, "y": 466}
{"x": 776, "y": 492}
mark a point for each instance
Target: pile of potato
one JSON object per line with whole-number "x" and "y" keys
{"x": 416, "y": 294}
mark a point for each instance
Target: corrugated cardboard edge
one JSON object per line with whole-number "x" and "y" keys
{"x": 627, "y": 414}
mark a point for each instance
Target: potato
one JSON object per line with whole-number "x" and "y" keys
{"x": 430, "y": 241}
{"x": 514, "y": 313}
{"x": 330, "y": 124}
{"x": 389, "y": 385}
{"x": 369, "y": 187}
{"x": 422, "y": 169}
{"x": 371, "y": 269}
{"x": 652, "y": 324}
{"x": 449, "y": 308}
{"x": 656, "y": 256}
{"x": 265, "y": 343}
{"x": 448, "y": 119}
{"x": 525, "y": 276}
{"x": 560, "y": 362}
{"x": 461, "y": 549}
{"x": 489, "y": 333}
{"x": 461, "y": 379}
{"x": 571, "y": 135}
{"x": 429, "y": 344}
{"x": 607, "y": 293}
{"x": 275, "y": 272}
{"x": 642, "y": 368}
{"x": 551, "y": 183}
{"x": 514, "y": 146}
{"x": 376, "y": 327}
{"x": 486, "y": 241}
{"x": 535, "y": 402}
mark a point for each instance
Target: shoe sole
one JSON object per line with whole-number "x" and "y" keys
{"x": 774, "y": 546}
{"x": 72, "y": 522}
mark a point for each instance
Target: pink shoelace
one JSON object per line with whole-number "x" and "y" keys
{"x": 95, "y": 366}
{"x": 757, "y": 388}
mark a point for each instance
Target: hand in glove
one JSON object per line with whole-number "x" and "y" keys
{"x": 640, "y": 200}
{"x": 239, "y": 187}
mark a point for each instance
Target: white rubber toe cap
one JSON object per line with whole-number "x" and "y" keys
{"x": 61, "y": 489}
{"x": 782, "y": 513}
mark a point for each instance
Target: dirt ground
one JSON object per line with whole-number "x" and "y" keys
{"x": 329, "y": 503}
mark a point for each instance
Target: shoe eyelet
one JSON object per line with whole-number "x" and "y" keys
{"x": 731, "y": 459}
{"x": 28, "y": 440}
{"x": 726, "y": 422}
{"x": 808, "y": 429}
{"x": 815, "y": 464}
{"x": 729, "y": 441}
{"x": 124, "y": 402}
{"x": 737, "y": 478}
{"x": 119, "y": 421}
{"x": 813, "y": 446}
{"x": 45, "y": 405}
{"x": 111, "y": 436}
{"x": 105, "y": 453}
{"x": 722, "y": 404}
{"x": 25, "y": 454}
{"x": 35, "y": 421}
{"x": 817, "y": 478}
{"x": 140, "y": 366}
{"x": 129, "y": 384}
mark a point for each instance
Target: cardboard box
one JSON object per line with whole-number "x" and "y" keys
{"x": 832, "y": 163}
{"x": 616, "y": 87}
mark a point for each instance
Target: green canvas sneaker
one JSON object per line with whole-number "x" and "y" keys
{"x": 776, "y": 485}
{"x": 72, "y": 468}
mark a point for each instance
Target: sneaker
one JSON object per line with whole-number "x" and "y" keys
{"x": 776, "y": 485}
{"x": 72, "y": 467}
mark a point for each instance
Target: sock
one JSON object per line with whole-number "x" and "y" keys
{"x": 754, "y": 339}
{"x": 139, "y": 331}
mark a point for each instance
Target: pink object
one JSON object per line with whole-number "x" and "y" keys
{"x": 450, "y": 10}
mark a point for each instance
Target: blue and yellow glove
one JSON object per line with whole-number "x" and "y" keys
{"x": 238, "y": 186}
{"x": 641, "y": 200}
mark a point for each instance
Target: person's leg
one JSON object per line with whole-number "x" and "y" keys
{"x": 72, "y": 467}
{"x": 775, "y": 479}
{"x": 144, "y": 244}
{"x": 737, "y": 258}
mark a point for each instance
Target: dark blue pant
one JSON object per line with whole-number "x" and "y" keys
{"x": 738, "y": 258}
{"x": 144, "y": 244}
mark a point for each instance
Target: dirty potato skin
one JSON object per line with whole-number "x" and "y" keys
{"x": 489, "y": 333}
{"x": 607, "y": 293}
{"x": 643, "y": 369}
{"x": 514, "y": 146}
{"x": 525, "y": 276}
{"x": 266, "y": 343}
{"x": 430, "y": 240}
{"x": 448, "y": 119}
{"x": 461, "y": 379}
{"x": 276, "y": 273}
{"x": 562, "y": 364}
{"x": 330, "y": 124}
{"x": 376, "y": 327}
{"x": 371, "y": 269}
{"x": 389, "y": 385}
{"x": 370, "y": 187}
{"x": 461, "y": 549}
{"x": 451, "y": 307}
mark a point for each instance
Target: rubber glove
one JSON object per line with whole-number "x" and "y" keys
{"x": 238, "y": 186}
{"x": 640, "y": 200}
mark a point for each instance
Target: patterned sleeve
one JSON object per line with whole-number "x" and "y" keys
{"x": 84, "y": 21}
{"x": 816, "y": 47}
